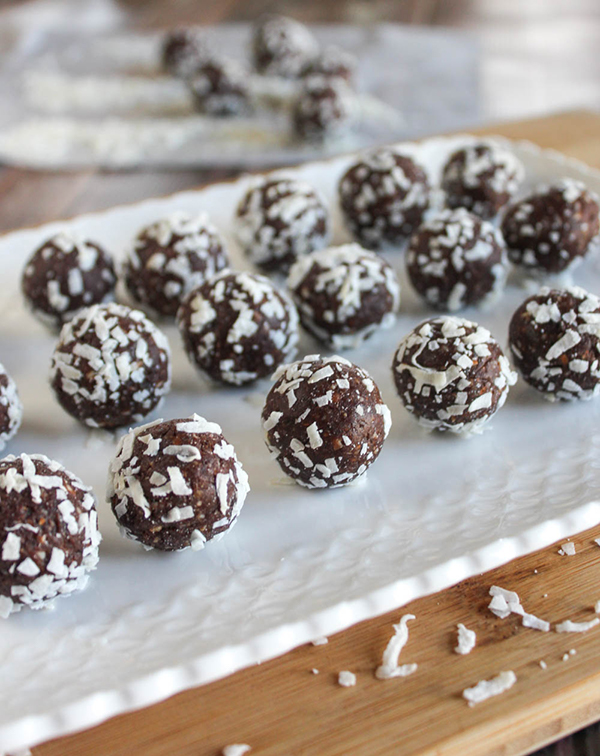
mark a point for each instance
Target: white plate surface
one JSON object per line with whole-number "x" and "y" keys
{"x": 299, "y": 564}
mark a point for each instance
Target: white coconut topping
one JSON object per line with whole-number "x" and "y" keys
{"x": 236, "y": 749}
{"x": 487, "y": 688}
{"x": 576, "y": 627}
{"x": 567, "y": 549}
{"x": 389, "y": 667}
{"x": 466, "y": 640}
{"x": 346, "y": 679}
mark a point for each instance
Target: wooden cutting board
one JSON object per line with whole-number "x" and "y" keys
{"x": 281, "y": 708}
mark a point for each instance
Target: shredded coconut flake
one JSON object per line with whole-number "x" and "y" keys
{"x": 389, "y": 664}
{"x": 567, "y": 549}
{"x": 236, "y": 749}
{"x": 576, "y": 627}
{"x": 346, "y": 679}
{"x": 320, "y": 641}
{"x": 466, "y": 640}
{"x": 487, "y": 688}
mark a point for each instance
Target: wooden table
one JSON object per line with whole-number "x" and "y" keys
{"x": 280, "y": 707}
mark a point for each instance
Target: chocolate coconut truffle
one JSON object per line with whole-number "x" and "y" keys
{"x": 111, "y": 366}
{"x": 170, "y": 258}
{"x": 344, "y": 294}
{"x": 456, "y": 259}
{"x": 48, "y": 530}
{"x": 383, "y": 197}
{"x": 184, "y": 51}
{"x": 282, "y": 46}
{"x": 333, "y": 61}
{"x": 11, "y": 409}
{"x": 237, "y": 327}
{"x": 451, "y": 374}
{"x": 176, "y": 484}
{"x": 482, "y": 177}
{"x": 64, "y": 275}
{"x": 220, "y": 88}
{"x": 552, "y": 230}
{"x": 325, "y": 421}
{"x": 323, "y": 108}
{"x": 279, "y": 220}
{"x": 554, "y": 339}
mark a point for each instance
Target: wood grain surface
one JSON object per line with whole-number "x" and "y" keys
{"x": 281, "y": 708}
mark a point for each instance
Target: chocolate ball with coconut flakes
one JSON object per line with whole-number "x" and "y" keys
{"x": 48, "y": 532}
{"x": 64, "y": 275}
{"x": 323, "y": 108}
{"x": 220, "y": 88}
{"x": 554, "y": 339}
{"x": 383, "y": 197}
{"x": 456, "y": 259}
{"x": 171, "y": 257}
{"x": 333, "y": 61}
{"x": 279, "y": 220}
{"x": 11, "y": 408}
{"x": 452, "y": 375}
{"x": 551, "y": 230}
{"x": 325, "y": 421}
{"x": 282, "y": 46}
{"x": 238, "y": 327}
{"x": 176, "y": 484}
{"x": 184, "y": 50}
{"x": 482, "y": 177}
{"x": 344, "y": 294}
{"x": 110, "y": 367}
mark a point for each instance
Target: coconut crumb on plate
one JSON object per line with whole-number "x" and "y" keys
{"x": 389, "y": 664}
{"x": 487, "y": 688}
{"x": 346, "y": 679}
{"x": 466, "y": 640}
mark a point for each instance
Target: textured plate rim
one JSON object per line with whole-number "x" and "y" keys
{"x": 94, "y": 709}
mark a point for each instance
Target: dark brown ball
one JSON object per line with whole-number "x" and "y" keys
{"x": 170, "y": 258}
{"x": 48, "y": 529}
{"x": 237, "y": 327}
{"x": 282, "y": 47}
{"x": 323, "y": 108}
{"x": 220, "y": 88}
{"x": 184, "y": 50}
{"x": 554, "y": 339}
{"x": 325, "y": 421}
{"x": 176, "y": 484}
{"x": 64, "y": 275}
{"x": 552, "y": 230}
{"x": 333, "y": 61}
{"x": 111, "y": 366}
{"x": 344, "y": 294}
{"x": 482, "y": 177}
{"x": 383, "y": 197}
{"x": 11, "y": 408}
{"x": 451, "y": 374}
{"x": 279, "y": 220}
{"x": 456, "y": 259}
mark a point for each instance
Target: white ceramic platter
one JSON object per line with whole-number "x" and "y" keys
{"x": 299, "y": 564}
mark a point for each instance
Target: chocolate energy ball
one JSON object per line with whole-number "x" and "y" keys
{"x": 11, "y": 409}
{"x": 176, "y": 484}
{"x": 282, "y": 47}
{"x": 451, "y": 374}
{"x": 456, "y": 259}
{"x": 323, "y": 108}
{"x": 333, "y": 61}
{"x": 184, "y": 51}
{"x": 554, "y": 339}
{"x": 111, "y": 366}
{"x": 325, "y": 421}
{"x": 220, "y": 88}
{"x": 482, "y": 177}
{"x": 344, "y": 294}
{"x": 279, "y": 220}
{"x": 383, "y": 197}
{"x": 170, "y": 258}
{"x": 237, "y": 327}
{"x": 65, "y": 275}
{"x": 48, "y": 530}
{"x": 552, "y": 230}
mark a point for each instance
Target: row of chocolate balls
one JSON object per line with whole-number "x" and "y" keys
{"x": 178, "y": 484}
{"x": 323, "y": 104}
